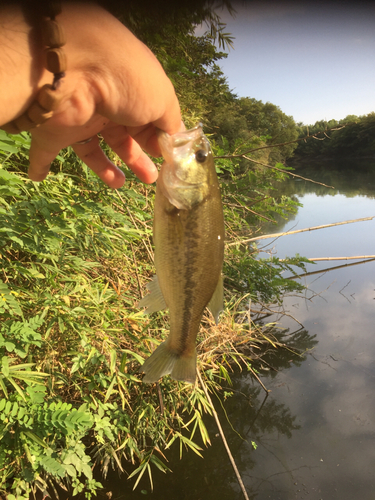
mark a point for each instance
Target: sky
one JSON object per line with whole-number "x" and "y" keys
{"x": 314, "y": 59}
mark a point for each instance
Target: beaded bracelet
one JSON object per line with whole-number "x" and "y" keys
{"x": 47, "y": 98}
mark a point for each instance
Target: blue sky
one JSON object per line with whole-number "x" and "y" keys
{"x": 313, "y": 59}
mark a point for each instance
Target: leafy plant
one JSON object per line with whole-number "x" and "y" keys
{"x": 75, "y": 258}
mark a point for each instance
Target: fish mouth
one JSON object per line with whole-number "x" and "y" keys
{"x": 182, "y": 138}
{"x": 183, "y": 179}
{"x": 183, "y": 135}
{"x": 169, "y": 142}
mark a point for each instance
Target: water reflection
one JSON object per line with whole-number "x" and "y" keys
{"x": 347, "y": 177}
{"x": 315, "y": 431}
{"x": 256, "y": 417}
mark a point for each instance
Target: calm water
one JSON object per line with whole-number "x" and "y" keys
{"x": 315, "y": 432}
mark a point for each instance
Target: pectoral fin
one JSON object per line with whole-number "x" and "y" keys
{"x": 153, "y": 301}
{"x": 216, "y": 304}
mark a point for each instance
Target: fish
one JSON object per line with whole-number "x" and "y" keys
{"x": 188, "y": 235}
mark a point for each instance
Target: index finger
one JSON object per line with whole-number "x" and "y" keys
{"x": 147, "y": 137}
{"x": 170, "y": 121}
{"x": 129, "y": 150}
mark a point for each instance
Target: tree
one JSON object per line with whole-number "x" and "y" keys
{"x": 268, "y": 120}
{"x": 352, "y": 137}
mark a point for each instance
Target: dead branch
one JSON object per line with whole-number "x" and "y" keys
{"x": 136, "y": 272}
{"x": 354, "y": 257}
{"x": 329, "y": 269}
{"x": 283, "y": 313}
{"x": 288, "y": 172}
{"x": 260, "y": 382}
{"x": 277, "y": 235}
{"x": 239, "y": 479}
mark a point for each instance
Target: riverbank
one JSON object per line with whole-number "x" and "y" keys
{"x": 76, "y": 258}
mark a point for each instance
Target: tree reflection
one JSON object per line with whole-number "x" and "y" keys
{"x": 292, "y": 350}
{"x": 350, "y": 178}
{"x": 247, "y": 415}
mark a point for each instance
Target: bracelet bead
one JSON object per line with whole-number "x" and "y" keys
{"x": 23, "y": 122}
{"x": 37, "y": 114}
{"x": 53, "y": 34}
{"x": 56, "y": 60}
{"x": 48, "y": 97}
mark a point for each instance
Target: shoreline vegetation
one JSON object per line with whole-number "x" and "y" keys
{"x": 75, "y": 260}
{"x": 341, "y": 141}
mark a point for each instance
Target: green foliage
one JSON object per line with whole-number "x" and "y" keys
{"x": 262, "y": 278}
{"x": 153, "y": 21}
{"x": 8, "y": 303}
{"x": 44, "y": 441}
{"x": 75, "y": 256}
{"x": 268, "y": 120}
{"x": 68, "y": 290}
{"x": 72, "y": 255}
{"x": 18, "y": 336}
{"x": 11, "y": 372}
{"x": 250, "y": 199}
{"x": 352, "y": 137}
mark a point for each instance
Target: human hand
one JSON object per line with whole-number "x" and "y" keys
{"x": 114, "y": 86}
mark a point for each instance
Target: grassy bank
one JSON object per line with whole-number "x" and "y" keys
{"x": 75, "y": 260}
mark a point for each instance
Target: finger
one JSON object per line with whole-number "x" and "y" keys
{"x": 147, "y": 137}
{"x": 144, "y": 168}
{"x": 93, "y": 156}
{"x": 131, "y": 153}
{"x": 170, "y": 121}
{"x": 40, "y": 162}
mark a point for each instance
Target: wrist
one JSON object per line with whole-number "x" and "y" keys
{"x": 32, "y": 47}
{"x": 21, "y": 64}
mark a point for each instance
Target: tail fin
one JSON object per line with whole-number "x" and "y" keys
{"x": 163, "y": 362}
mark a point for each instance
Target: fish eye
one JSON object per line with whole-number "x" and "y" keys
{"x": 201, "y": 155}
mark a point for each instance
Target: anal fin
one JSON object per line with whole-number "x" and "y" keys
{"x": 216, "y": 304}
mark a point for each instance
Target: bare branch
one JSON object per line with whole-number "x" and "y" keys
{"x": 225, "y": 442}
{"x": 329, "y": 269}
{"x": 276, "y": 235}
{"x": 354, "y": 257}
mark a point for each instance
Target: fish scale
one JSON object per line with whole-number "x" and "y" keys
{"x": 189, "y": 250}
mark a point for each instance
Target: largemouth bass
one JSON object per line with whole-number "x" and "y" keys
{"x": 188, "y": 236}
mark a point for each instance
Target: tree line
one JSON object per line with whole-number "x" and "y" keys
{"x": 352, "y": 137}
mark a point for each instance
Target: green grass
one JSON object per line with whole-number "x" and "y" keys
{"x": 75, "y": 258}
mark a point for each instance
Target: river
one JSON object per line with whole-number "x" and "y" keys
{"x": 315, "y": 431}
